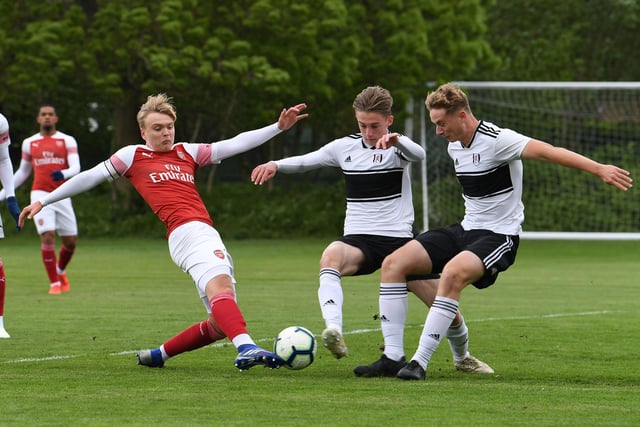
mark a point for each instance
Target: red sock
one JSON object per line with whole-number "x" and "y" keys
{"x": 3, "y": 287}
{"x": 227, "y": 315}
{"x": 49, "y": 259}
{"x": 64, "y": 257}
{"x": 195, "y": 336}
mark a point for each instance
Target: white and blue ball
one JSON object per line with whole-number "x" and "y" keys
{"x": 296, "y": 346}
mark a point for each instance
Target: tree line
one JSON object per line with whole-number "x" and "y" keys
{"x": 233, "y": 65}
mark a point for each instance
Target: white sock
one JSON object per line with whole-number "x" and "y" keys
{"x": 1, "y": 322}
{"x": 164, "y": 354}
{"x": 458, "y": 337}
{"x": 242, "y": 339}
{"x": 394, "y": 304}
{"x": 330, "y": 298}
{"x": 441, "y": 314}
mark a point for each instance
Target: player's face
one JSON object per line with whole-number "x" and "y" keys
{"x": 158, "y": 131}
{"x": 47, "y": 118}
{"x": 449, "y": 125}
{"x": 373, "y": 126}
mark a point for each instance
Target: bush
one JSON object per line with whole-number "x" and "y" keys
{"x": 239, "y": 211}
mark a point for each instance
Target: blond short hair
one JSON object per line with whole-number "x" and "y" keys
{"x": 448, "y": 97}
{"x": 159, "y": 103}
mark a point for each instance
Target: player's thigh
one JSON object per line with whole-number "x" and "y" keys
{"x": 66, "y": 223}
{"x": 343, "y": 257}
{"x": 45, "y": 220}
{"x": 411, "y": 258}
{"x": 199, "y": 251}
{"x": 464, "y": 268}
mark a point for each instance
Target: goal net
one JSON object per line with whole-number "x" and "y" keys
{"x": 599, "y": 120}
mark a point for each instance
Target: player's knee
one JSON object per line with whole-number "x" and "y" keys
{"x": 213, "y": 330}
{"x": 220, "y": 284}
{"x": 48, "y": 237}
{"x": 394, "y": 264}
{"x": 453, "y": 280}
{"x": 331, "y": 257}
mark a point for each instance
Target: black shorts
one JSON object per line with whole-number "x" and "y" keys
{"x": 376, "y": 249}
{"x": 497, "y": 251}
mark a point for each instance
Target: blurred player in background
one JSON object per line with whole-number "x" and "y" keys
{"x": 53, "y": 157}
{"x": 6, "y": 178}
{"x": 487, "y": 162}
{"x": 379, "y": 219}
{"x": 164, "y": 175}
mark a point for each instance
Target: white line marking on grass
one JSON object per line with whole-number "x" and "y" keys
{"x": 546, "y": 316}
{"x": 354, "y": 332}
{"x": 44, "y": 359}
{"x": 500, "y": 319}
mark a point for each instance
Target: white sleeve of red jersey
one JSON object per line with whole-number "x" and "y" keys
{"x": 6, "y": 172}
{"x": 73, "y": 159}
{"x": 79, "y": 183}
{"x": 4, "y": 129}
{"x": 25, "y": 167}
{"x": 242, "y": 142}
{"x": 6, "y": 167}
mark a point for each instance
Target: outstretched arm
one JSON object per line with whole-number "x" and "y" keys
{"x": 253, "y": 138}
{"x": 76, "y": 185}
{"x": 610, "y": 174}
{"x": 321, "y": 157}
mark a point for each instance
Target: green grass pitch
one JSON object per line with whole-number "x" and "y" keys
{"x": 561, "y": 329}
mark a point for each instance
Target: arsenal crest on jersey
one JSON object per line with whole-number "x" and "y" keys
{"x": 476, "y": 159}
{"x": 180, "y": 154}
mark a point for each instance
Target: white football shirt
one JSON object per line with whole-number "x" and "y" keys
{"x": 377, "y": 182}
{"x": 490, "y": 173}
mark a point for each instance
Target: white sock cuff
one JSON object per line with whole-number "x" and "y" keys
{"x": 393, "y": 290}
{"x": 331, "y": 272}
{"x": 448, "y": 307}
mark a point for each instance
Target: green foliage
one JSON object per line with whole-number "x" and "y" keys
{"x": 564, "y": 41}
{"x": 239, "y": 211}
{"x": 41, "y": 51}
{"x": 231, "y": 66}
{"x": 243, "y": 211}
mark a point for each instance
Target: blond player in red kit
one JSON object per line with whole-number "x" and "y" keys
{"x": 163, "y": 172}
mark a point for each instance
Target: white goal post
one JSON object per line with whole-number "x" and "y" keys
{"x": 597, "y": 119}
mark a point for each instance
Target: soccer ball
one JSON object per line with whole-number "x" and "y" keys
{"x": 296, "y": 346}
